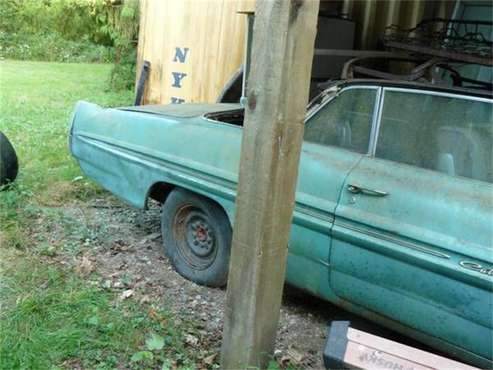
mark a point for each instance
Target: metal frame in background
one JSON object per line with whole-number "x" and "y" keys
{"x": 453, "y": 40}
{"x": 425, "y": 70}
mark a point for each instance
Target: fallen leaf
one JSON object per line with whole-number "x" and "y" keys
{"x": 153, "y": 236}
{"x": 85, "y": 267}
{"x": 118, "y": 284}
{"x": 145, "y": 299}
{"x": 126, "y": 294}
{"x": 153, "y": 314}
{"x": 142, "y": 355}
{"x": 284, "y": 361}
{"x": 209, "y": 360}
{"x": 190, "y": 339}
{"x": 106, "y": 284}
{"x": 155, "y": 342}
{"x": 296, "y": 356}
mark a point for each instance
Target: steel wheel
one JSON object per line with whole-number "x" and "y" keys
{"x": 195, "y": 237}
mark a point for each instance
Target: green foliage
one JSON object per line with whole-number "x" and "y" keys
{"x": 54, "y": 30}
{"x": 72, "y": 19}
{"x": 52, "y": 47}
{"x": 155, "y": 342}
{"x": 122, "y": 75}
{"x": 73, "y": 31}
{"x": 123, "y": 30}
{"x": 142, "y": 356}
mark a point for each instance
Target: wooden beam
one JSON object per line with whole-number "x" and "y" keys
{"x": 277, "y": 94}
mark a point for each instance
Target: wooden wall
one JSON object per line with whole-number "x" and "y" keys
{"x": 194, "y": 47}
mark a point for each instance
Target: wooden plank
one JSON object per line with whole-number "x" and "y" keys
{"x": 367, "y": 350}
{"x": 283, "y": 42}
{"x": 350, "y": 348}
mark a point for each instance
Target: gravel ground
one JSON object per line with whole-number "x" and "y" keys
{"x": 126, "y": 250}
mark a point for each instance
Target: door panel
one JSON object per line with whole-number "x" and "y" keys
{"x": 321, "y": 176}
{"x": 402, "y": 254}
{"x": 335, "y": 136}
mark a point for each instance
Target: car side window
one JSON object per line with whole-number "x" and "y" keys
{"x": 453, "y": 135}
{"x": 345, "y": 121}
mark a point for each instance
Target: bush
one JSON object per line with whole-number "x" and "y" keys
{"x": 52, "y": 48}
{"x": 74, "y": 20}
{"x": 73, "y": 31}
{"x": 122, "y": 75}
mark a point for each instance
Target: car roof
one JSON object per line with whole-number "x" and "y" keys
{"x": 414, "y": 85}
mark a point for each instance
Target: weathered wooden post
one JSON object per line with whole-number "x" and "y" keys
{"x": 282, "y": 51}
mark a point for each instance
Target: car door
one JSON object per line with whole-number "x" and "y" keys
{"x": 336, "y": 137}
{"x": 413, "y": 234}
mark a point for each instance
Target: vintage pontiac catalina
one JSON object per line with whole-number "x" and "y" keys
{"x": 394, "y": 205}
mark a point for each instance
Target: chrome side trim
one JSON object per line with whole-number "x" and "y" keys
{"x": 391, "y": 239}
{"x": 476, "y": 267}
{"x": 316, "y": 218}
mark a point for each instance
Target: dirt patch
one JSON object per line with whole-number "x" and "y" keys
{"x": 123, "y": 246}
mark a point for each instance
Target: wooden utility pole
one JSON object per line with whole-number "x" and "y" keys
{"x": 282, "y": 52}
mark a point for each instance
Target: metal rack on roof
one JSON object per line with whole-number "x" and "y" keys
{"x": 453, "y": 40}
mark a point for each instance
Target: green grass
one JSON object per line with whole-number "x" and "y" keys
{"x": 36, "y": 100}
{"x": 50, "y": 317}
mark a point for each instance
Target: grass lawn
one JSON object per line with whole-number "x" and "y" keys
{"x": 51, "y": 316}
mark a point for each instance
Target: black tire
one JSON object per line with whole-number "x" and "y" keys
{"x": 8, "y": 161}
{"x": 196, "y": 237}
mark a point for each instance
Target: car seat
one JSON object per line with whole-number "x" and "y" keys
{"x": 463, "y": 151}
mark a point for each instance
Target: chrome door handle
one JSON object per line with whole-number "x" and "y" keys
{"x": 356, "y": 189}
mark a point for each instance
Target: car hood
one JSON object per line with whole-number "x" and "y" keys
{"x": 182, "y": 110}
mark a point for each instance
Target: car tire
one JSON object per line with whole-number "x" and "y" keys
{"x": 9, "y": 165}
{"x": 196, "y": 237}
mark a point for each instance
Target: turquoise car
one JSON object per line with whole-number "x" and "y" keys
{"x": 394, "y": 204}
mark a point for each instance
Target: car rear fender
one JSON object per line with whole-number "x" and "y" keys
{"x": 160, "y": 191}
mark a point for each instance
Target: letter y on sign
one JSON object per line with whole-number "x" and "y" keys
{"x": 177, "y": 77}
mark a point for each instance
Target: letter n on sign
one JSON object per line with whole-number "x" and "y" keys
{"x": 180, "y": 55}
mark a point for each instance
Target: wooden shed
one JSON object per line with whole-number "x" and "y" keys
{"x": 195, "y": 46}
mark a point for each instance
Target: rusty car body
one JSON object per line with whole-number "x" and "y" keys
{"x": 394, "y": 206}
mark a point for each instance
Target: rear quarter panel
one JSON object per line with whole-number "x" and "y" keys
{"x": 127, "y": 152}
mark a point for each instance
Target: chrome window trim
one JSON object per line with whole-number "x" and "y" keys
{"x": 346, "y": 88}
{"x": 375, "y": 124}
{"x": 374, "y": 118}
{"x": 437, "y": 93}
{"x": 373, "y": 148}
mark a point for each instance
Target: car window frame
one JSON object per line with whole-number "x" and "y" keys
{"x": 422, "y": 92}
{"x": 375, "y": 115}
